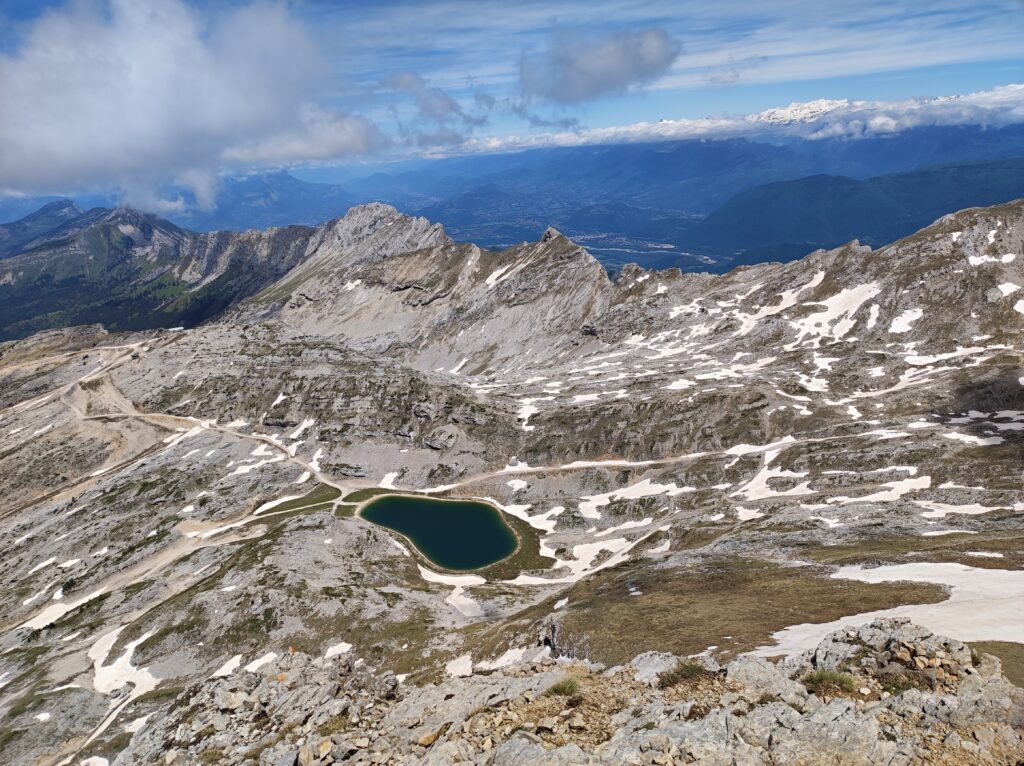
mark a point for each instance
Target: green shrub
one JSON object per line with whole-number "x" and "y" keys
{"x": 824, "y": 679}
{"x": 567, "y": 687}
{"x": 686, "y": 670}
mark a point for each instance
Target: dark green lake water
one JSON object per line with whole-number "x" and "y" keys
{"x": 453, "y": 534}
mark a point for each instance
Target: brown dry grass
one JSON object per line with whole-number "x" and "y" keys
{"x": 734, "y": 604}
{"x": 1011, "y": 654}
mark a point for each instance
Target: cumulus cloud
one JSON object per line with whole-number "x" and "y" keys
{"x": 574, "y": 69}
{"x": 131, "y": 95}
{"x": 319, "y": 135}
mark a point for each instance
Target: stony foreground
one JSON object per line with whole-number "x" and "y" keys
{"x": 886, "y": 693}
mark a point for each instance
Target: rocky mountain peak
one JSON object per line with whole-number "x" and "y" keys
{"x": 18, "y": 234}
{"x": 380, "y": 230}
{"x": 125, "y": 214}
{"x": 549, "y": 234}
{"x": 59, "y": 209}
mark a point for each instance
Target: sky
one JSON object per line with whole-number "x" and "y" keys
{"x": 134, "y": 94}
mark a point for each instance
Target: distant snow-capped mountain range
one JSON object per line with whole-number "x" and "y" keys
{"x": 1003, "y": 105}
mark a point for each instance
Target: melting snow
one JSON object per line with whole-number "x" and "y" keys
{"x": 895, "y": 490}
{"x": 647, "y": 521}
{"x": 984, "y": 605}
{"x": 902, "y": 323}
{"x": 308, "y": 422}
{"x": 977, "y": 260}
{"x": 274, "y": 503}
{"x": 758, "y": 489}
{"x": 137, "y": 724}
{"x": 258, "y": 663}
{"x": 590, "y": 503}
{"x": 460, "y": 666}
{"x": 457, "y": 597}
{"x": 42, "y": 565}
{"x": 109, "y": 678}
{"x": 836, "y": 319}
{"x": 975, "y": 440}
{"x": 941, "y": 510}
{"x": 942, "y": 532}
{"x": 228, "y": 667}
{"x": 527, "y": 409}
{"x": 747, "y": 514}
{"x": 340, "y": 648}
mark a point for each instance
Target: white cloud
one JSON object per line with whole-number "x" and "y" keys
{"x": 432, "y": 103}
{"x": 1000, "y": 106}
{"x": 133, "y": 94}
{"x": 320, "y": 134}
{"x": 574, "y": 69}
{"x": 440, "y": 119}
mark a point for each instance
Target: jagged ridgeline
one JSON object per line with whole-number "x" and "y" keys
{"x": 130, "y": 271}
{"x": 716, "y": 469}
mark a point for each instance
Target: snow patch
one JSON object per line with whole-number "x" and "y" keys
{"x": 902, "y": 323}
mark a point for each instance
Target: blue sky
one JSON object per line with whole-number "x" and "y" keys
{"x": 735, "y": 56}
{"x": 126, "y": 92}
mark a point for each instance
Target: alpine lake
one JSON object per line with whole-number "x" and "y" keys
{"x": 457, "y": 535}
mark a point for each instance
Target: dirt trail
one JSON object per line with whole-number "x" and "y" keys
{"x": 117, "y": 359}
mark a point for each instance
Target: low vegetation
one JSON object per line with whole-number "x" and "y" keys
{"x": 567, "y": 687}
{"x": 899, "y": 682}
{"x": 820, "y": 681}
{"x": 1009, "y": 653}
{"x": 735, "y": 604}
{"x": 686, "y": 670}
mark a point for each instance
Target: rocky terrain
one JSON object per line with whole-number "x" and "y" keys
{"x": 886, "y": 693}
{"x": 726, "y": 466}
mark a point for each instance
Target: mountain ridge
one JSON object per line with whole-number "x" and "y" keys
{"x": 632, "y": 202}
{"x": 740, "y": 463}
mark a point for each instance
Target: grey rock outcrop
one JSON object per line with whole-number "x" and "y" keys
{"x": 311, "y": 711}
